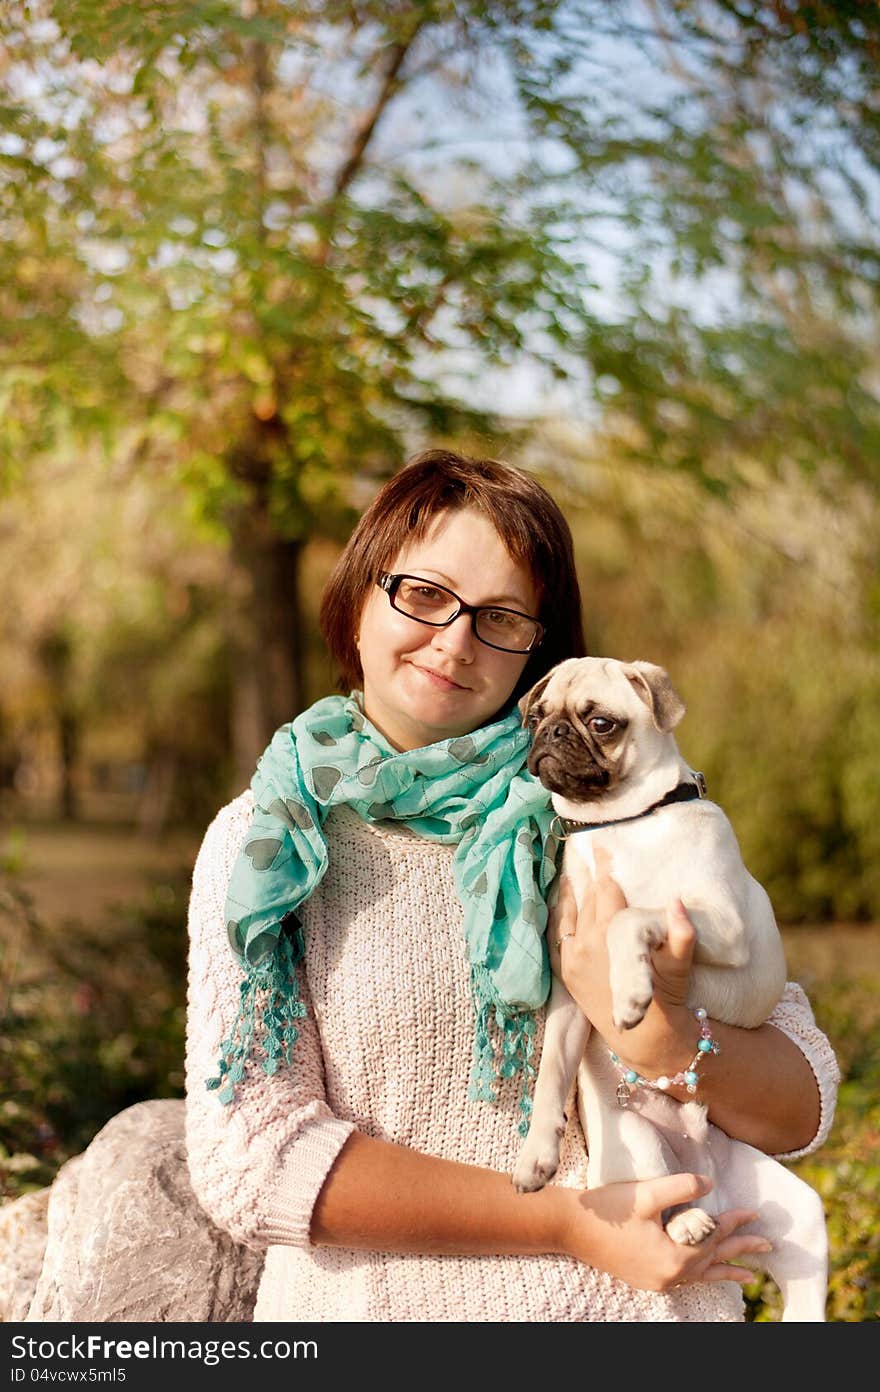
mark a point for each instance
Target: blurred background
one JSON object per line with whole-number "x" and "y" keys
{"x": 256, "y": 253}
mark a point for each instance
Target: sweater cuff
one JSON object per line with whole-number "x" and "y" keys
{"x": 287, "y": 1219}
{"x": 794, "y": 1017}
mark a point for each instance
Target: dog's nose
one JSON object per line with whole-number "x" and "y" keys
{"x": 561, "y": 729}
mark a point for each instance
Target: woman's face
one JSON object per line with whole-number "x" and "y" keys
{"x": 425, "y": 684}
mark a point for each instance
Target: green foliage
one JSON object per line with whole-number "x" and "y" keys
{"x": 93, "y": 1021}
{"x": 846, "y": 1172}
{"x": 219, "y": 230}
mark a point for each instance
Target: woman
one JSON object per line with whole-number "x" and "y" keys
{"x": 379, "y": 1187}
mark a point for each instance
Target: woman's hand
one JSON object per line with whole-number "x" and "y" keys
{"x": 665, "y": 1040}
{"x": 618, "y": 1229}
{"x": 781, "y": 1114}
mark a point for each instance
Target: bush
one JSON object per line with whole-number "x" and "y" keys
{"x": 846, "y": 1171}
{"x": 94, "y": 1022}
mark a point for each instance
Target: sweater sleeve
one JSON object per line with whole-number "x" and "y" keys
{"x": 794, "y": 1017}
{"x": 257, "y": 1164}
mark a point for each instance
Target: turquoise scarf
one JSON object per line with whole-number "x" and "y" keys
{"x": 473, "y": 792}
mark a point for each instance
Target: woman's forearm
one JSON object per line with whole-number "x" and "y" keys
{"x": 386, "y": 1197}
{"x": 383, "y": 1197}
{"x": 761, "y": 1089}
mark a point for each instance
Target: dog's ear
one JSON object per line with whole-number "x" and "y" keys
{"x": 526, "y": 702}
{"x": 652, "y": 684}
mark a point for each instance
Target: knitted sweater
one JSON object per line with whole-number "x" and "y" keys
{"x": 386, "y": 1048}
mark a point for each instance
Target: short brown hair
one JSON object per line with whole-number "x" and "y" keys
{"x": 522, "y": 512}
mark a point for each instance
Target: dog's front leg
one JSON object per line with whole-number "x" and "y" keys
{"x": 631, "y": 936}
{"x": 565, "y": 1037}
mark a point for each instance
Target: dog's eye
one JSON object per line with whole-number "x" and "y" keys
{"x": 533, "y": 720}
{"x": 600, "y": 725}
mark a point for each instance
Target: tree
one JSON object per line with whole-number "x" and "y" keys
{"x": 263, "y": 244}
{"x": 112, "y": 639}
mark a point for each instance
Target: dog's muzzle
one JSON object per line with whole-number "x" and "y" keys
{"x": 557, "y": 738}
{"x": 563, "y": 763}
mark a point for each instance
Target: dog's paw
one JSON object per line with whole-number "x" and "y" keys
{"x": 632, "y": 988}
{"x": 527, "y": 1178}
{"x": 538, "y": 1162}
{"x": 631, "y": 1010}
{"x": 690, "y": 1227}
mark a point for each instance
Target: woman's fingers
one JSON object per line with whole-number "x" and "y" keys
{"x": 731, "y": 1243}
{"x": 672, "y": 961}
{"x": 667, "y": 1191}
{"x": 681, "y": 936}
{"x": 714, "y": 1259}
{"x": 562, "y": 922}
{"x": 726, "y": 1247}
{"x": 565, "y": 913}
{"x": 722, "y": 1272}
{"x": 609, "y": 899}
{"x": 734, "y": 1218}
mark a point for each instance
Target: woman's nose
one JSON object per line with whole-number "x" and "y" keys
{"x": 457, "y": 638}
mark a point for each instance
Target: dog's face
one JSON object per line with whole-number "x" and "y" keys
{"x": 597, "y": 723}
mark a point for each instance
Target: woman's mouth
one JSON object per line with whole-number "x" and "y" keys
{"x": 440, "y": 681}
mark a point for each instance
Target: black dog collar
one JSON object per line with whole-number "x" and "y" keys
{"x": 563, "y": 827}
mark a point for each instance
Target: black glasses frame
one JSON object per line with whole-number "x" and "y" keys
{"x": 391, "y": 584}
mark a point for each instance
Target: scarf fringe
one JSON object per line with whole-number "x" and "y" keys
{"x": 272, "y": 1027}
{"x": 517, "y": 1046}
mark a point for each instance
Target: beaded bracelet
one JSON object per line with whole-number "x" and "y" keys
{"x": 689, "y": 1078}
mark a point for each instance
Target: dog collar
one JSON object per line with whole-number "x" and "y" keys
{"x": 563, "y": 827}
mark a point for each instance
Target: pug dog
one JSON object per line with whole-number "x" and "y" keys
{"x": 602, "y": 744}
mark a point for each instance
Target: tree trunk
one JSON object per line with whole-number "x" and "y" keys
{"x": 265, "y": 638}
{"x": 158, "y": 795}
{"x": 68, "y": 743}
{"x": 56, "y": 653}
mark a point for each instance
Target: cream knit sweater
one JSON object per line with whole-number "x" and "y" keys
{"x": 386, "y": 1048}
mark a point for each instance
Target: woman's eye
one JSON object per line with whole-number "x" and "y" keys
{"x": 600, "y": 726}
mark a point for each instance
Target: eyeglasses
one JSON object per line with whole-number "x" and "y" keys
{"x": 427, "y": 603}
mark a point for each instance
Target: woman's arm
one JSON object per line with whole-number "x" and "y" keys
{"x": 386, "y": 1197}
{"x": 760, "y": 1088}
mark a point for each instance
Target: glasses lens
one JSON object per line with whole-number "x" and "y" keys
{"x": 502, "y": 628}
{"x": 422, "y": 600}
{"x": 433, "y": 604}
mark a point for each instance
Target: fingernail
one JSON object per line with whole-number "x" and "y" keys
{"x": 764, "y": 1247}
